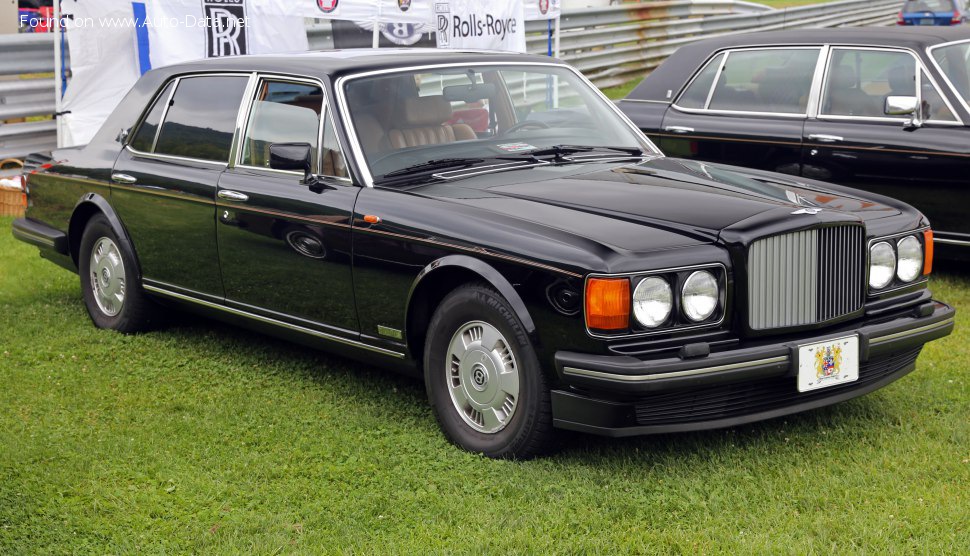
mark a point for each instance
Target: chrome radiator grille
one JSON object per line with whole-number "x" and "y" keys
{"x": 805, "y": 277}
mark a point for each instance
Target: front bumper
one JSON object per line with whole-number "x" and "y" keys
{"x": 623, "y": 395}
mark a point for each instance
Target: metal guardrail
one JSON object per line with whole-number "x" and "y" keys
{"x": 610, "y": 45}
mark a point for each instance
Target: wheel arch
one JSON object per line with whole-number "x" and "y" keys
{"x": 86, "y": 208}
{"x": 443, "y": 276}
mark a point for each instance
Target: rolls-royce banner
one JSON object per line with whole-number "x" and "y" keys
{"x": 187, "y": 29}
{"x": 480, "y": 24}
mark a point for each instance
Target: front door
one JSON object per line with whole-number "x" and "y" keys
{"x": 285, "y": 250}
{"x": 854, "y": 143}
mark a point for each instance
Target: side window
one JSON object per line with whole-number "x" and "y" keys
{"x": 774, "y": 80}
{"x": 934, "y": 108}
{"x": 144, "y": 138}
{"x": 697, "y": 92}
{"x": 202, "y": 117}
{"x": 283, "y": 112}
{"x": 334, "y": 163}
{"x": 857, "y": 82}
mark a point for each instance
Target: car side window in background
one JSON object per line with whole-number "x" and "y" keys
{"x": 334, "y": 163}
{"x": 284, "y": 112}
{"x": 695, "y": 96}
{"x": 144, "y": 138}
{"x": 202, "y": 117}
{"x": 776, "y": 80}
{"x": 857, "y": 82}
{"x": 934, "y": 107}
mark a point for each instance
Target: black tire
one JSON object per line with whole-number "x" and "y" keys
{"x": 135, "y": 312}
{"x": 528, "y": 431}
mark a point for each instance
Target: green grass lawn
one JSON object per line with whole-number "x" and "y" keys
{"x": 201, "y": 438}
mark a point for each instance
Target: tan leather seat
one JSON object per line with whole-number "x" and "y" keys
{"x": 423, "y": 124}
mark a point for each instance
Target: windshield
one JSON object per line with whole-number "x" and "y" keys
{"x": 954, "y": 62}
{"x": 914, "y": 6}
{"x": 428, "y": 119}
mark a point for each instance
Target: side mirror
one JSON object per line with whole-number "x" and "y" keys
{"x": 904, "y": 106}
{"x": 298, "y": 157}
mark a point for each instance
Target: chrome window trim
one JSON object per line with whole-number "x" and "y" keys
{"x": 159, "y": 288}
{"x": 669, "y": 330}
{"x": 717, "y": 77}
{"x": 644, "y": 100}
{"x": 172, "y": 157}
{"x": 919, "y": 92}
{"x": 946, "y": 79}
{"x": 694, "y": 77}
{"x": 815, "y": 93}
{"x": 325, "y": 112}
{"x": 168, "y": 103}
{"x": 727, "y": 53}
{"x": 177, "y": 80}
{"x": 351, "y": 130}
{"x": 924, "y": 278}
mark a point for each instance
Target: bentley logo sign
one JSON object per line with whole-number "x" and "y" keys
{"x": 807, "y": 211}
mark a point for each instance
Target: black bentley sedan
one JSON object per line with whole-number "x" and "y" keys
{"x": 885, "y": 110}
{"x": 492, "y": 224}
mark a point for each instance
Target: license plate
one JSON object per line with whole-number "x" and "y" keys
{"x": 828, "y": 363}
{"x": 927, "y": 22}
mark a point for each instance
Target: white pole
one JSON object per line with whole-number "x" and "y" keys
{"x": 556, "y": 39}
{"x": 58, "y": 75}
{"x": 376, "y": 36}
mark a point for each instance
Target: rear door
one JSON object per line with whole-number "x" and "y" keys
{"x": 164, "y": 181}
{"x": 853, "y": 142}
{"x": 285, "y": 250}
{"x": 745, "y": 107}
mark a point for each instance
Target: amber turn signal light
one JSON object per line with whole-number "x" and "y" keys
{"x": 608, "y": 303}
{"x": 927, "y": 252}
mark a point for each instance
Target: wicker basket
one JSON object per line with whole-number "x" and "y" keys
{"x": 12, "y": 203}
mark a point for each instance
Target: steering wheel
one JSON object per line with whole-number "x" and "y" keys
{"x": 525, "y": 124}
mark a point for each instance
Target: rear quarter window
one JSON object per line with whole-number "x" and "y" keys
{"x": 201, "y": 118}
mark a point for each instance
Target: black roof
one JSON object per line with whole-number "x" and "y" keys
{"x": 335, "y": 62}
{"x": 678, "y": 68}
{"x": 321, "y": 64}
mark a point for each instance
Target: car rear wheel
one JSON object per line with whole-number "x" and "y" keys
{"x": 109, "y": 281}
{"x": 483, "y": 377}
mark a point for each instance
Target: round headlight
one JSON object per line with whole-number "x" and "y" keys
{"x": 910, "y": 259}
{"x": 700, "y": 295}
{"x": 652, "y": 301}
{"x": 882, "y": 265}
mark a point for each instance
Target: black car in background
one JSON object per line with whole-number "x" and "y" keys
{"x": 544, "y": 266}
{"x": 885, "y": 110}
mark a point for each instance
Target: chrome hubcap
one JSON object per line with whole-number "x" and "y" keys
{"x": 107, "y": 277}
{"x": 483, "y": 379}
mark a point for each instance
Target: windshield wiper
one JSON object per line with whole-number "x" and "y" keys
{"x": 560, "y": 151}
{"x": 436, "y": 164}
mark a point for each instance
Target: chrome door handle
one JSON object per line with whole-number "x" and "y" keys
{"x": 679, "y": 129}
{"x": 232, "y": 195}
{"x": 823, "y": 138}
{"x": 123, "y": 178}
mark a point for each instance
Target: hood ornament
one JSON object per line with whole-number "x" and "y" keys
{"x": 807, "y": 211}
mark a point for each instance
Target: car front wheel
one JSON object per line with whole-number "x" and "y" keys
{"x": 483, "y": 377}
{"x": 109, "y": 282}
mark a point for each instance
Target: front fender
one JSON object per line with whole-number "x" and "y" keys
{"x": 484, "y": 270}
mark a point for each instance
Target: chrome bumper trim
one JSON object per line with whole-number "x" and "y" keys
{"x": 661, "y": 376}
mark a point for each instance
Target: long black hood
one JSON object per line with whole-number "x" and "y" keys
{"x": 659, "y": 203}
